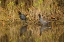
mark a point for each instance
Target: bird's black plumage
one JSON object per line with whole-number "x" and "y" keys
{"x": 39, "y": 15}
{"x": 23, "y": 29}
{"x": 22, "y": 16}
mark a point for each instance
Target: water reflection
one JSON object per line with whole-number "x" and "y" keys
{"x": 18, "y": 31}
{"x": 23, "y": 29}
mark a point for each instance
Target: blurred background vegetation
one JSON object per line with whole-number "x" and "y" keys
{"x": 10, "y": 23}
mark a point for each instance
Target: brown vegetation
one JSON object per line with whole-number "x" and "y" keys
{"x": 10, "y": 22}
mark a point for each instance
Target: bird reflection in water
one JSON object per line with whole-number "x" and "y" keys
{"x": 23, "y": 29}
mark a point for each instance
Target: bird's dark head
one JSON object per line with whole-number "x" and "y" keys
{"x": 39, "y": 15}
{"x": 19, "y": 12}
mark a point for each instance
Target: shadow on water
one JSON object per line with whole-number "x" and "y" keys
{"x": 18, "y": 31}
{"x": 61, "y": 38}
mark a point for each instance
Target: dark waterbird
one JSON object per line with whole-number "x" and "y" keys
{"x": 42, "y": 21}
{"x": 22, "y": 16}
{"x": 45, "y": 24}
{"x": 23, "y": 29}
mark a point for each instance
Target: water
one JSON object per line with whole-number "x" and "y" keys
{"x": 10, "y": 32}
